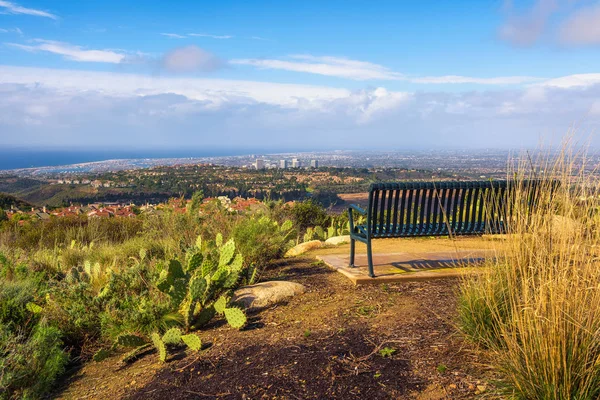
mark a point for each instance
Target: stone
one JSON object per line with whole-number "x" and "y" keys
{"x": 303, "y": 248}
{"x": 266, "y": 294}
{"x": 337, "y": 240}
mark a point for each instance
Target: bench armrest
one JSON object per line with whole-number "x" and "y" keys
{"x": 354, "y": 207}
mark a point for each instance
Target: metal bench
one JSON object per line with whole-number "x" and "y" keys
{"x": 411, "y": 209}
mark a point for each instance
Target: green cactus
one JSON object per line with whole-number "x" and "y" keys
{"x": 231, "y": 280}
{"x": 198, "y": 286}
{"x": 235, "y": 317}
{"x": 172, "y": 336}
{"x": 194, "y": 262}
{"x": 101, "y": 355}
{"x": 199, "y": 243}
{"x": 160, "y": 346}
{"x": 175, "y": 271}
{"x": 135, "y": 353}
{"x": 238, "y": 263}
{"x": 192, "y": 341}
{"x": 227, "y": 252}
{"x": 129, "y": 340}
{"x": 219, "y": 240}
{"x": 319, "y": 233}
{"x": 286, "y": 226}
{"x": 221, "y": 304}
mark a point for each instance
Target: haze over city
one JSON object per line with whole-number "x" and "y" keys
{"x": 290, "y": 76}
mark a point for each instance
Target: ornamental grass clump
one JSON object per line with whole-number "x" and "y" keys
{"x": 536, "y": 308}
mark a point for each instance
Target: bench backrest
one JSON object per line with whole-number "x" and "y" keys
{"x": 439, "y": 208}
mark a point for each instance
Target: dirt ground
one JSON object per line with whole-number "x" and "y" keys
{"x": 336, "y": 341}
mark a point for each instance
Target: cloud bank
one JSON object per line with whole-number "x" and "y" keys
{"x": 13, "y": 8}
{"x": 45, "y": 107}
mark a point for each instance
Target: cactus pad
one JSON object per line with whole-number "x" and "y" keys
{"x": 221, "y": 304}
{"x": 208, "y": 267}
{"x": 199, "y": 242}
{"x": 129, "y": 340}
{"x": 175, "y": 270}
{"x": 204, "y": 316}
{"x": 286, "y": 226}
{"x": 172, "y": 336}
{"x": 197, "y": 287}
{"x": 160, "y": 346}
{"x": 231, "y": 279}
{"x": 195, "y": 262}
{"x": 192, "y": 341}
{"x": 219, "y": 240}
{"x": 220, "y": 275}
{"x": 235, "y": 317}
{"x": 101, "y": 355}
{"x": 227, "y": 252}
{"x": 237, "y": 263}
{"x": 178, "y": 291}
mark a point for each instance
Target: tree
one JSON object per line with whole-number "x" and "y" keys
{"x": 194, "y": 205}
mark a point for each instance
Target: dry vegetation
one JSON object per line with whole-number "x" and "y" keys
{"x": 537, "y": 308}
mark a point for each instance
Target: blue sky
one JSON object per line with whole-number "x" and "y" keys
{"x": 285, "y": 75}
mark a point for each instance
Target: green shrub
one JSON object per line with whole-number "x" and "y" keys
{"x": 261, "y": 240}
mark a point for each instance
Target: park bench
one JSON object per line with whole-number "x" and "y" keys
{"x": 411, "y": 209}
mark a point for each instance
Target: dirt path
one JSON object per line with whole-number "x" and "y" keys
{"x": 323, "y": 344}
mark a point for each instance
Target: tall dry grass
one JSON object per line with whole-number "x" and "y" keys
{"x": 536, "y": 309}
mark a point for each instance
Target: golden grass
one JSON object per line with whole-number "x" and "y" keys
{"x": 536, "y": 309}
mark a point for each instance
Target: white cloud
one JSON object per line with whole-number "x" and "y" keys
{"x": 11, "y": 30}
{"x": 582, "y": 27}
{"x": 72, "y": 52}
{"x": 571, "y": 81}
{"x": 54, "y": 107}
{"x": 13, "y": 8}
{"x": 329, "y": 66}
{"x": 525, "y": 29}
{"x": 502, "y": 80}
{"x": 190, "y": 59}
{"x": 210, "y": 36}
{"x": 173, "y": 35}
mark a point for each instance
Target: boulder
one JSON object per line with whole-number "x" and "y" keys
{"x": 337, "y": 240}
{"x": 303, "y": 248}
{"x": 266, "y": 294}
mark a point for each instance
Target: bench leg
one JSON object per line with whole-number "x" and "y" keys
{"x": 370, "y": 258}
{"x": 352, "y": 249}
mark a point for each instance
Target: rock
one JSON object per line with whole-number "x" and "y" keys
{"x": 265, "y": 294}
{"x": 337, "y": 240}
{"x": 303, "y": 248}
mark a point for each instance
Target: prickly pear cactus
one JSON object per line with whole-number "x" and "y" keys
{"x": 129, "y": 340}
{"x": 219, "y": 240}
{"x": 197, "y": 287}
{"x": 221, "y": 304}
{"x": 238, "y": 263}
{"x": 101, "y": 355}
{"x": 319, "y": 233}
{"x": 235, "y": 317}
{"x": 199, "y": 243}
{"x": 172, "y": 336}
{"x": 286, "y": 226}
{"x": 192, "y": 341}
{"x": 160, "y": 346}
{"x": 227, "y": 252}
{"x": 194, "y": 262}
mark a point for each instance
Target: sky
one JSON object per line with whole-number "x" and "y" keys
{"x": 287, "y": 75}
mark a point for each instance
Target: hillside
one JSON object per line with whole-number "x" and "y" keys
{"x": 7, "y": 201}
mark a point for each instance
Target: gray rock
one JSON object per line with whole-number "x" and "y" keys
{"x": 265, "y": 294}
{"x": 303, "y": 248}
{"x": 337, "y": 240}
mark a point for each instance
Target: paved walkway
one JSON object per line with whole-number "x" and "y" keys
{"x": 408, "y": 266}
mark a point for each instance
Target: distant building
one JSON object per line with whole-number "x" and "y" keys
{"x": 283, "y": 164}
{"x": 296, "y": 163}
{"x": 314, "y": 163}
{"x": 259, "y": 164}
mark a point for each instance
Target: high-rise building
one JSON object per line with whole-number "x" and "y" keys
{"x": 296, "y": 163}
{"x": 283, "y": 164}
{"x": 314, "y": 163}
{"x": 259, "y": 164}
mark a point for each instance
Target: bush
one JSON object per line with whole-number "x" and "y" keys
{"x": 261, "y": 240}
{"x": 536, "y": 308}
